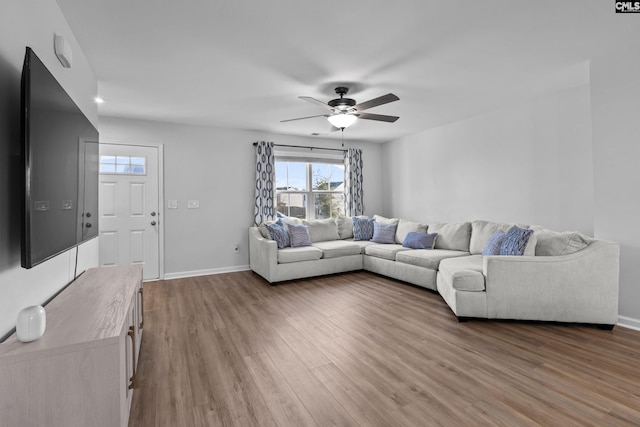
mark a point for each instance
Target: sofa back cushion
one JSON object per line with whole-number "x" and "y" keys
{"x": 481, "y": 231}
{"x": 321, "y": 230}
{"x": 553, "y": 243}
{"x": 345, "y": 227}
{"x": 405, "y": 227}
{"x": 452, "y": 236}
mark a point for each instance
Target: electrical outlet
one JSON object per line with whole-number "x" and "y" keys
{"x": 236, "y": 249}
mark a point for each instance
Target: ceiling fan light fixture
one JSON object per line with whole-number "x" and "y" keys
{"x": 342, "y": 120}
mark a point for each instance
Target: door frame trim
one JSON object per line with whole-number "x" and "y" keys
{"x": 161, "y": 209}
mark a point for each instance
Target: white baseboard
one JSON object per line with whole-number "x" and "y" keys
{"x": 629, "y": 322}
{"x": 183, "y": 274}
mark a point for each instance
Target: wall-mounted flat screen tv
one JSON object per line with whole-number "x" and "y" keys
{"x": 60, "y": 176}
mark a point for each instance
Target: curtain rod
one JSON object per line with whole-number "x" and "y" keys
{"x": 303, "y": 146}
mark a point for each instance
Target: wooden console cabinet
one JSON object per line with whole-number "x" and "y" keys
{"x": 82, "y": 371}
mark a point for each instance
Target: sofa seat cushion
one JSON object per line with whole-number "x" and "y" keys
{"x": 337, "y": 248}
{"x": 361, "y": 243}
{"x": 302, "y": 253}
{"x": 463, "y": 273}
{"x": 388, "y": 251}
{"x": 427, "y": 258}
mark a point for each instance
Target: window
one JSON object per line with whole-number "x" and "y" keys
{"x": 123, "y": 165}
{"x": 310, "y": 189}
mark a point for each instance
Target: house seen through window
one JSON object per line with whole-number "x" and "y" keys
{"x": 306, "y": 189}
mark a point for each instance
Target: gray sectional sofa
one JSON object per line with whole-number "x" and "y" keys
{"x": 562, "y": 276}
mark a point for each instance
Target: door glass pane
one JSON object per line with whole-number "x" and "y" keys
{"x": 107, "y": 168}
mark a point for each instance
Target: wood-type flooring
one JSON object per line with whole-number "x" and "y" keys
{"x": 358, "y": 349}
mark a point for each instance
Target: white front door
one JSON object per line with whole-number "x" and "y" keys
{"x": 129, "y": 207}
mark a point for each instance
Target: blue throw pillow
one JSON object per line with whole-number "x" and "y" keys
{"x": 299, "y": 235}
{"x": 417, "y": 240}
{"x": 494, "y": 243}
{"x": 384, "y": 233}
{"x": 279, "y": 233}
{"x": 515, "y": 241}
{"x": 362, "y": 228}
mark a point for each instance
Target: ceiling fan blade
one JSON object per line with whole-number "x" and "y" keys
{"x": 379, "y": 117}
{"x": 316, "y": 102}
{"x": 302, "y": 118}
{"x": 384, "y": 99}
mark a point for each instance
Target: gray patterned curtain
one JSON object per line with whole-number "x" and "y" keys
{"x": 353, "y": 191}
{"x": 265, "y": 180}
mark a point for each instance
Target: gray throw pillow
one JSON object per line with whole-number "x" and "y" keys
{"x": 299, "y": 235}
{"x": 515, "y": 241}
{"x": 279, "y": 233}
{"x": 384, "y": 233}
{"x": 362, "y": 228}
{"x": 494, "y": 243}
{"x": 417, "y": 240}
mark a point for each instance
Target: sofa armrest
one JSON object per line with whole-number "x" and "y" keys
{"x": 263, "y": 254}
{"x": 580, "y": 287}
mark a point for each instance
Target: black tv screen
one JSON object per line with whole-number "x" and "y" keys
{"x": 60, "y": 157}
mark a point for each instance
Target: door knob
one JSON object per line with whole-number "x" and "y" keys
{"x": 153, "y": 214}
{"x": 153, "y": 223}
{"x": 88, "y": 225}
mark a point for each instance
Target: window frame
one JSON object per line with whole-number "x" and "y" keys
{"x": 309, "y": 195}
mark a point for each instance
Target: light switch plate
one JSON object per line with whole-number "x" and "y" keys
{"x": 193, "y": 204}
{"x": 172, "y": 204}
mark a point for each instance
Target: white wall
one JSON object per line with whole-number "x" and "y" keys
{"x": 615, "y": 92}
{"x": 526, "y": 163}
{"x": 33, "y": 23}
{"x": 216, "y": 166}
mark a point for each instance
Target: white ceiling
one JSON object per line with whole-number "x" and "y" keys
{"x": 243, "y": 63}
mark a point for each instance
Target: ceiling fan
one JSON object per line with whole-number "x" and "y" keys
{"x": 345, "y": 111}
